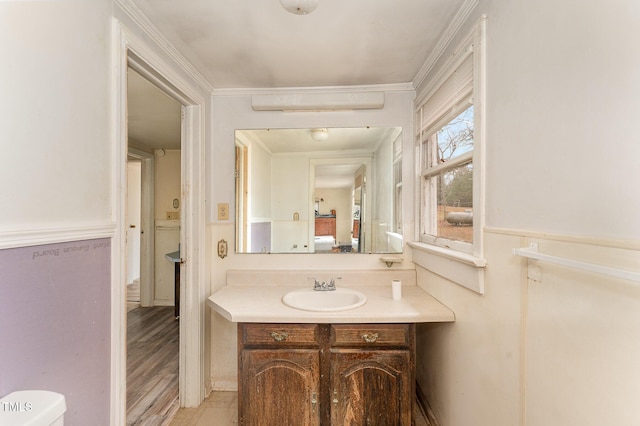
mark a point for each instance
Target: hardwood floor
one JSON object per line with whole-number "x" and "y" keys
{"x": 152, "y": 366}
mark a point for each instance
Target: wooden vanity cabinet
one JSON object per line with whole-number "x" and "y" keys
{"x": 325, "y": 226}
{"x": 278, "y": 374}
{"x": 372, "y": 374}
{"x": 326, "y": 374}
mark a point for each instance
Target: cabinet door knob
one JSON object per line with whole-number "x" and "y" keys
{"x": 279, "y": 336}
{"x": 370, "y": 337}
{"x": 314, "y": 401}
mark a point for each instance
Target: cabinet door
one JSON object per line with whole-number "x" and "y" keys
{"x": 370, "y": 387}
{"x": 280, "y": 387}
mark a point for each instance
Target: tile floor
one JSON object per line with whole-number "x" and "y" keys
{"x": 221, "y": 409}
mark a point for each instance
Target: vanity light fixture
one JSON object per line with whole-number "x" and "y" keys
{"x": 320, "y": 134}
{"x": 300, "y": 7}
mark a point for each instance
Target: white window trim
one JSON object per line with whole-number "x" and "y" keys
{"x": 462, "y": 263}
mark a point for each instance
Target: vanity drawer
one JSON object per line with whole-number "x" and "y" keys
{"x": 261, "y": 334}
{"x": 363, "y": 335}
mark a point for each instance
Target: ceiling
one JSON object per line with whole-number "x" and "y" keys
{"x": 358, "y": 141}
{"x": 256, "y": 44}
{"x": 153, "y": 118}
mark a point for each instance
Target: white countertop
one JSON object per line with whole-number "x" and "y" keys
{"x": 264, "y": 304}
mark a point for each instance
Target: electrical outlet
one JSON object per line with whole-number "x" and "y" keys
{"x": 173, "y": 215}
{"x": 223, "y": 211}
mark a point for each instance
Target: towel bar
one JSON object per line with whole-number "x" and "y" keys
{"x": 531, "y": 252}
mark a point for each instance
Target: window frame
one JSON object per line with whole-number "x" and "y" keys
{"x": 432, "y": 252}
{"x": 428, "y": 182}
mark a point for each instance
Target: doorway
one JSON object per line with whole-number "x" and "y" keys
{"x": 175, "y": 79}
{"x": 153, "y": 232}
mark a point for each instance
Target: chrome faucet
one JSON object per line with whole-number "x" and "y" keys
{"x": 325, "y": 286}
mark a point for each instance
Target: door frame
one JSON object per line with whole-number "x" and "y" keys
{"x": 147, "y": 240}
{"x": 173, "y": 77}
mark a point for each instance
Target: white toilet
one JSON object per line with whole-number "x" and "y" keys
{"x": 32, "y": 408}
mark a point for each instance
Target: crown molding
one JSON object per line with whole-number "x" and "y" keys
{"x": 140, "y": 19}
{"x": 445, "y": 40}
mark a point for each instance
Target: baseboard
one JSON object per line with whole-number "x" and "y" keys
{"x": 423, "y": 406}
{"x": 224, "y": 386}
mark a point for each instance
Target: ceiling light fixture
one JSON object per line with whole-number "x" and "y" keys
{"x": 320, "y": 134}
{"x": 300, "y": 7}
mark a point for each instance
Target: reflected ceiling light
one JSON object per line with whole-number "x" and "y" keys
{"x": 320, "y": 134}
{"x": 300, "y": 7}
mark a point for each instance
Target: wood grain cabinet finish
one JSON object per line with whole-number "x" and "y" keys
{"x": 325, "y": 226}
{"x": 281, "y": 386}
{"x": 326, "y": 374}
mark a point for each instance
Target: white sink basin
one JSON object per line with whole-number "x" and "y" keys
{"x": 340, "y": 299}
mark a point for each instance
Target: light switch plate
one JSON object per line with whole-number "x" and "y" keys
{"x": 223, "y": 211}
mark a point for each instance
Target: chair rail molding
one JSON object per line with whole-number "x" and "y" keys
{"x": 35, "y": 236}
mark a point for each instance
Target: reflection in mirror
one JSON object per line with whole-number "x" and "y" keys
{"x": 336, "y": 190}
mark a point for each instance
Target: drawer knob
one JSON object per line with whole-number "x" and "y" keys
{"x": 370, "y": 337}
{"x": 279, "y": 336}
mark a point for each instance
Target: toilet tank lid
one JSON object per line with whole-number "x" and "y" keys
{"x": 32, "y": 407}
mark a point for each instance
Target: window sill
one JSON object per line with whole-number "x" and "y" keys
{"x": 461, "y": 268}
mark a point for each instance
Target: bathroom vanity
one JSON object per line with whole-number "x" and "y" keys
{"x": 326, "y": 374}
{"x": 310, "y": 367}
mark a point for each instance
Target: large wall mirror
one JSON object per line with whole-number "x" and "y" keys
{"x": 324, "y": 190}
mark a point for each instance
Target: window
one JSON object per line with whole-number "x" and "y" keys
{"x": 447, "y": 182}
{"x": 449, "y": 138}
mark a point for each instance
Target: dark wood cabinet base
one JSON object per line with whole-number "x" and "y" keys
{"x": 326, "y": 374}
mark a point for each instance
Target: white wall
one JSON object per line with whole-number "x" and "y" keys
{"x": 559, "y": 347}
{"x": 56, "y": 185}
{"x": 54, "y": 115}
{"x": 167, "y": 183}
{"x": 259, "y": 183}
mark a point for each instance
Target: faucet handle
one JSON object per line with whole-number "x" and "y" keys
{"x": 316, "y": 283}
{"x": 332, "y": 283}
